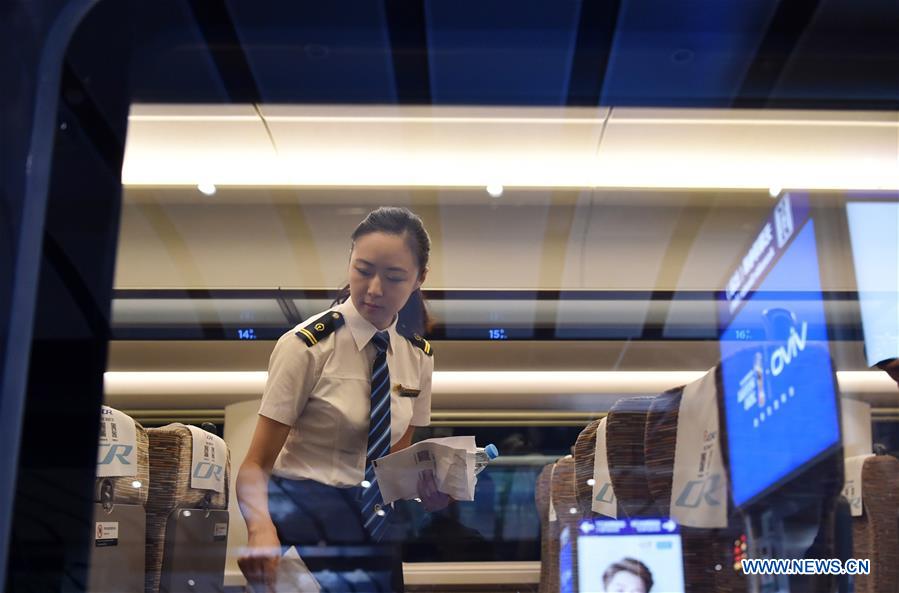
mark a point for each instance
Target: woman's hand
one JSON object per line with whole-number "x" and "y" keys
{"x": 431, "y": 498}
{"x": 259, "y": 560}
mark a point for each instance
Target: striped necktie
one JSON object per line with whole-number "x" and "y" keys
{"x": 374, "y": 511}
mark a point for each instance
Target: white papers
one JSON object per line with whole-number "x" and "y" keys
{"x": 852, "y": 486}
{"x": 552, "y": 506}
{"x": 452, "y": 461}
{"x": 604, "y": 501}
{"x": 207, "y": 468}
{"x": 293, "y": 576}
{"x": 855, "y": 420}
{"x": 699, "y": 486}
{"x": 117, "y": 453}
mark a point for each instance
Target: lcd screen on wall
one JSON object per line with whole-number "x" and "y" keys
{"x": 779, "y": 390}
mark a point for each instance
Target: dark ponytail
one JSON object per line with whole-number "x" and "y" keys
{"x": 413, "y": 317}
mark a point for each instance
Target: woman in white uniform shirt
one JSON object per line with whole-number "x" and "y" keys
{"x": 305, "y": 478}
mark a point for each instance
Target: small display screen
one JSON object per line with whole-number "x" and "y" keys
{"x": 874, "y": 235}
{"x": 635, "y": 555}
{"x": 779, "y": 392}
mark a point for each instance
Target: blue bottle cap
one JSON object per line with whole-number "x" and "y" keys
{"x": 491, "y": 451}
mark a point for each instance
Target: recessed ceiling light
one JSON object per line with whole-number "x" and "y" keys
{"x": 315, "y": 51}
{"x": 206, "y": 188}
{"x": 682, "y": 56}
{"x": 495, "y": 190}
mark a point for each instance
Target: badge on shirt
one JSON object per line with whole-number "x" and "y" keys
{"x": 407, "y": 391}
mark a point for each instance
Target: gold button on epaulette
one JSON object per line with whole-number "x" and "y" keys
{"x": 321, "y": 328}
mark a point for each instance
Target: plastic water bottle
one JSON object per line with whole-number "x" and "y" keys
{"x": 483, "y": 456}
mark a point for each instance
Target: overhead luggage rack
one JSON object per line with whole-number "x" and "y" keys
{"x": 489, "y": 315}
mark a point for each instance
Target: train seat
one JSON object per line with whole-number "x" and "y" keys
{"x": 117, "y": 557}
{"x": 584, "y": 457}
{"x": 187, "y": 510}
{"x": 541, "y": 499}
{"x": 625, "y": 430}
{"x": 564, "y": 501}
{"x": 875, "y": 534}
{"x": 708, "y": 553}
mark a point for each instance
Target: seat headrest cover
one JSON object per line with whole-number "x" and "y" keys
{"x": 699, "y": 489}
{"x": 117, "y": 453}
{"x": 208, "y": 460}
{"x": 603, "y": 500}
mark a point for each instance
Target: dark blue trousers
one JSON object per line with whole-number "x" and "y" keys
{"x": 325, "y": 524}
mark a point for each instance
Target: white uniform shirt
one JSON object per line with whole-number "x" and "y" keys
{"x": 323, "y": 393}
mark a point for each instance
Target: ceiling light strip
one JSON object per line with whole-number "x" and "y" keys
{"x": 193, "y": 118}
{"x": 450, "y": 382}
{"x": 436, "y": 120}
{"x": 753, "y": 122}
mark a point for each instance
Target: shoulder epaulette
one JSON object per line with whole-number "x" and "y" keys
{"x": 320, "y": 328}
{"x": 421, "y": 343}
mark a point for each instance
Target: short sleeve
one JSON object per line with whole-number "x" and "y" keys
{"x": 421, "y": 409}
{"x": 291, "y": 378}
